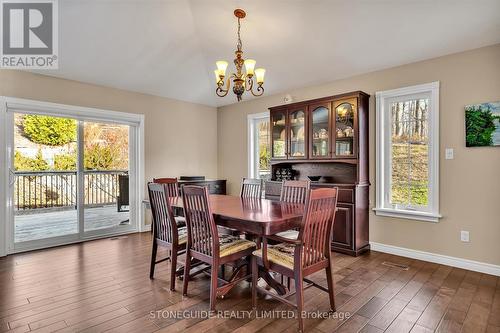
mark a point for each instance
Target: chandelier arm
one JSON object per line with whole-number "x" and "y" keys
{"x": 260, "y": 91}
{"x": 220, "y": 91}
{"x": 249, "y": 84}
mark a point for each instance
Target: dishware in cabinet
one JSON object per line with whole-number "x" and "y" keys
{"x": 297, "y": 133}
{"x": 320, "y": 146}
{"x": 344, "y": 122}
{"x": 279, "y": 134}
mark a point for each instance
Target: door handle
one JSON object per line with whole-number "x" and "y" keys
{"x": 12, "y": 178}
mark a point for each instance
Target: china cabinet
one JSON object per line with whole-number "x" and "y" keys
{"x": 327, "y": 137}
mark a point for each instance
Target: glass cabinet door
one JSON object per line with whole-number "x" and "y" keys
{"x": 297, "y": 133}
{"x": 278, "y": 142}
{"x": 344, "y": 128}
{"x": 320, "y": 125}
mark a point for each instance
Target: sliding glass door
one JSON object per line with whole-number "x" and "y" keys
{"x": 45, "y": 178}
{"x": 70, "y": 179}
{"x": 105, "y": 176}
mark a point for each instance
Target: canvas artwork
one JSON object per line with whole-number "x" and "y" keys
{"x": 482, "y": 124}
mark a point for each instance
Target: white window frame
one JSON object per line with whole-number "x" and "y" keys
{"x": 383, "y": 153}
{"x": 252, "y": 143}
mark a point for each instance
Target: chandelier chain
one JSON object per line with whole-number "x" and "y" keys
{"x": 240, "y": 44}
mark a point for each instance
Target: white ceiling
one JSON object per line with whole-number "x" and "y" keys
{"x": 168, "y": 48}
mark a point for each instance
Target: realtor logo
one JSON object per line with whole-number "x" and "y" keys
{"x": 29, "y": 34}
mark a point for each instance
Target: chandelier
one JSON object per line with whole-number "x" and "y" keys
{"x": 241, "y": 81}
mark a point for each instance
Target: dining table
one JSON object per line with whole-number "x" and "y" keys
{"x": 254, "y": 217}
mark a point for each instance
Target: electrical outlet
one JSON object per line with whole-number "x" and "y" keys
{"x": 464, "y": 236}
{"x": 448, "y": 153}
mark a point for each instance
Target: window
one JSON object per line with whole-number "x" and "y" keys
{"x": 259, "y": 146}
{"x": 408, "y": 152}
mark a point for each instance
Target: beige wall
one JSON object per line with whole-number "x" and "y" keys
{"x": 180, "y": 137}
{"x": 469, "y": 184}
{"x": 186, "y": 138}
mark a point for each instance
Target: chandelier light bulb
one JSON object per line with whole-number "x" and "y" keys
{"x": 250, "y": 66}
{"x": 221, "y": 67}
{"x": 259, "y": 73}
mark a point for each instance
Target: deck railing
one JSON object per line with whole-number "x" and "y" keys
{"x": 58, "y": 189}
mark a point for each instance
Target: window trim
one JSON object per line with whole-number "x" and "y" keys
{"x": 382, "y": 147}
{"x": 252, "y": 141}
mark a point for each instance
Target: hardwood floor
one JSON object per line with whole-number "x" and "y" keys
{"x": 104, "y": 285}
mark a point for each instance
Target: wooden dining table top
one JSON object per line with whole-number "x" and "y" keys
{"x": 262, "y": 217}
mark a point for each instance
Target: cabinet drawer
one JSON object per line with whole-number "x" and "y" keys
{"x": 345, "y": 195}
{"x": 214, "y": 187}
{"x": 217, "y": 188}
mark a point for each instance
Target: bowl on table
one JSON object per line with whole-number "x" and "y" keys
{"x": 314, "y": 178}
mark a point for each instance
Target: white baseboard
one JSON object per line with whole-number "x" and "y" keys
{"x": 146, "y": 228}
{"x": 471, "y": 265}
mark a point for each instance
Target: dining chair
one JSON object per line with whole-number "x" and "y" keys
{"x": 250, "y": 192}
{"x": 251, "y": 188}
{"x": 172, "y": 190}
{"x": 206, "y": 245}
{"x": 294, "y": 191}
{"x": 301, "y": 257}
{"x": 166, "y": 233}
{"x": 171, "y": 184}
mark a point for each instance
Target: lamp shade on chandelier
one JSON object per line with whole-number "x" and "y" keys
{"x": 253, "y": 78}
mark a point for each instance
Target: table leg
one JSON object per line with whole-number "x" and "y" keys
{"x": 241, "y": 272}
{"x": 278, "y": 287}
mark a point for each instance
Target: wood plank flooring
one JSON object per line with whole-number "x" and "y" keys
{"x": 104, "y": 286}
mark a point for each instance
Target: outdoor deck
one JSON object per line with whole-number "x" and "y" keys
{"x": 59, "y": 223}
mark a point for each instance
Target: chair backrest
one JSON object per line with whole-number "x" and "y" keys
{"x": 171, "y": 184}
{"x": 251, "y": 188}
{"x": 294, "y": 191}
{"x": 202, "y": 231}
{"x": 164, "y": 225}
{"x": 316, "y": 230}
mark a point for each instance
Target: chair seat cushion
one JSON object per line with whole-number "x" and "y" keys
{"x": 230, "y": 244}
{"x": 182, "y": 232}
{"x": 281, "y": 254}
{"x": 290, "y": 234}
